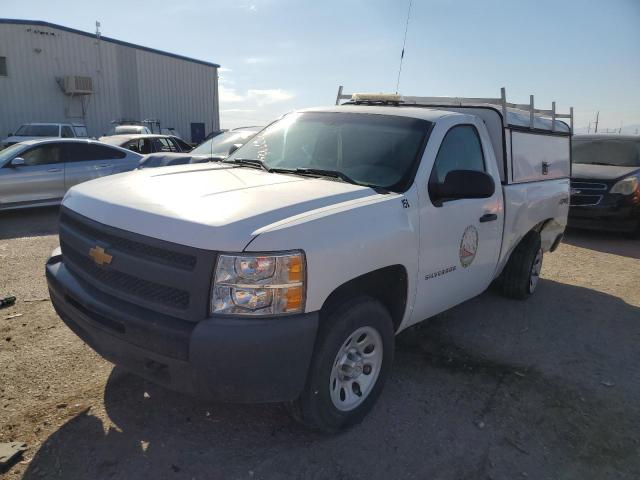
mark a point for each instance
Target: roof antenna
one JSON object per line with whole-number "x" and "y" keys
{"x": 404, "y": 42}
{"x": 98, "y": 33}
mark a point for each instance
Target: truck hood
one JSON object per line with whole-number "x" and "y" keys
{"x": 585, "y": 171}
{"x": 208, "y": 206}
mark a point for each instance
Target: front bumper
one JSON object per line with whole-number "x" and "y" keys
{"x": 618, "y": 218}
{"x": 242, "y": 360}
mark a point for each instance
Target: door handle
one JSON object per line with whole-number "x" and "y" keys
{"x": 54, "y": 170}
{"x": 488, "y": 217}
{"x": 104, "y": 166}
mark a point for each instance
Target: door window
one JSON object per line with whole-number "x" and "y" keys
{"x": 42, "y": 155}
{"x": 460, "y": 150}
{"x": 82, "y": 152}
{"x": 67, "y": 132}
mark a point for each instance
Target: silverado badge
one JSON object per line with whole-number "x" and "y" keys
{"x": 468, "y": 246}
{"x": 100, "y": 256}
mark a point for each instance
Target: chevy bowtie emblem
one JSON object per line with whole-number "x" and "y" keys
{"x": 100, "y": 256}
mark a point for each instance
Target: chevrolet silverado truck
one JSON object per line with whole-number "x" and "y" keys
{"x": 284, "y": 272}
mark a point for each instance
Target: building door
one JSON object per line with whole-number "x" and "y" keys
{"x": 197, "y": 133}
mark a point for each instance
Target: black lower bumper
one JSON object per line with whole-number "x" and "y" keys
{"x": 226, "y": 359}
{"x": 612, "y": 218}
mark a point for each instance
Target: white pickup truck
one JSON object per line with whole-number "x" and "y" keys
{"x": 283, "y": 273}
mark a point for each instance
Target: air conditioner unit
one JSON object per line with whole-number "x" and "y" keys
{"x": 76, "y": 85}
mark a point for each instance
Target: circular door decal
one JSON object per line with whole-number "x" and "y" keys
{"x": 468, "y": 246}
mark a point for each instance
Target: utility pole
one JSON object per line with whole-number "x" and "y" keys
{"x": 589, "y": 128}
{"x": 597, "y": 118}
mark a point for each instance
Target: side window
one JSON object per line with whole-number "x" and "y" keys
{"x": 67, "y": 132}
{"x": 43, "y": 155}
{"x": 182, "y": 145}
{"x": 102, "y": 152}
{"x": 166, "y": 145}
{"x": 145, "y": 146}
{"x": 133, "y": 145}
{"x": 84, "y": 152}
{"x": 460, "y": 150}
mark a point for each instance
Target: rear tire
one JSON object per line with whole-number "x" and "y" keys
{"x": 521, "y": 274}
{"x": 352, "y": 360}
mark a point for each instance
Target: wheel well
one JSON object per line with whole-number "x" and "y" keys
{"x": 388, "y": 285}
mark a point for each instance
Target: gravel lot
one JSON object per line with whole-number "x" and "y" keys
{"x": 548, "y": 388}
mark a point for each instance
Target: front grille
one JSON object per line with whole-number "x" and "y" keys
{"x": 127, "y": 284}
{"x": 588, "y": 185}
{"x": 176, "y": 259}
{"x": 157, "y": 275}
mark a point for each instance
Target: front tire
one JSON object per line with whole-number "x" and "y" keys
{"x": 352, "y": 359}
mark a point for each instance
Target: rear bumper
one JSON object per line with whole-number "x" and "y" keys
{"x": 224, "y": 359}
{"x": 614, "y": 218}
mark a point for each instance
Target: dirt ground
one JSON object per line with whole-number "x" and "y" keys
{"x": 547, "y": 388}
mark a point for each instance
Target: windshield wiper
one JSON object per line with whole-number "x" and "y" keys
{"x": 249, "y": 162}
{"x": 319, "y": 172}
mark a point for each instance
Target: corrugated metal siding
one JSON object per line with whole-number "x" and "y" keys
{"x": 127, "y": 82}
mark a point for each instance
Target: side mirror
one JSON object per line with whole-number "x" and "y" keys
{"x": 463, "y": 184}
{"x": 17, "y": 162}
{"x": 234, "y": 147}
{"x": 10, "y": 134}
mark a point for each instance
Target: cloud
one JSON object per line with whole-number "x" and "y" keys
{"x": 237, "y": 110}
{"x": 254, "y": 96}
{"x": 226, "y": 94}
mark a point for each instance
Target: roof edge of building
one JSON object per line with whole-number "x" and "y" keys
{"x": 41, "y": 23}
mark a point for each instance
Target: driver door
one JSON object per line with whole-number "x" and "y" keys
{"x": 39, "y": 180}
{"x": 460, "y": 239}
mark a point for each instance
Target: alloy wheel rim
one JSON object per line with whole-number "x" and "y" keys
{"x": 535, "y": 271}
{"x": 356, "y": 369}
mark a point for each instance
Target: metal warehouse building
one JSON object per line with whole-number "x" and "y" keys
{"x": 51, "y": 73}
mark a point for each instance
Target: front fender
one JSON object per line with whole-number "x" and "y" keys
{"x": 345, "y": 241}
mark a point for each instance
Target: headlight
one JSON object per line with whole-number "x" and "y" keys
{"x": 625, "y": 186}
{"x": 251, "y": 284}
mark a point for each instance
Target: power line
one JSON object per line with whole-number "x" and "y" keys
{"x": 404, "y": 42}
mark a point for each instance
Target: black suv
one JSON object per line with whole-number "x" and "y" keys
{"x": 605, "y": 182}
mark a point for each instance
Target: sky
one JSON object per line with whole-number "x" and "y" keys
{"x": 279, "y": 55}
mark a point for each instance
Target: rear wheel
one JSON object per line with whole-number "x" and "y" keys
{"x": 353, "y": 357}
{"x": 521, "y": 275}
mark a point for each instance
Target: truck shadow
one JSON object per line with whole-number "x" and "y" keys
{"x": 490, "y": 389}
{"x": 606, "y": 242}
{"x": 30, "y": 222}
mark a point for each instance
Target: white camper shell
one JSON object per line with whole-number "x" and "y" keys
{"x": 530, "y": 144}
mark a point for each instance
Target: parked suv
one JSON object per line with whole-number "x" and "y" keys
{"x": 283, "y": 273}
{"x": 39, "y": 172}
{"x": 35, "y": 131}
{"x": 605, "y": 182}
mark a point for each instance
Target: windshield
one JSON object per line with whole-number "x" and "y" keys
{"x": 81, "y": 131}
{"x": 38, "y": 131}
{"x": 380, "y": 150}
{"x": 621, "y": 153}
{"x": 9, "y": 152}
{"x": 220, "y": 144}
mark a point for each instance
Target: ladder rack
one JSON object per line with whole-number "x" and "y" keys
{"x": 504, "y": 106}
